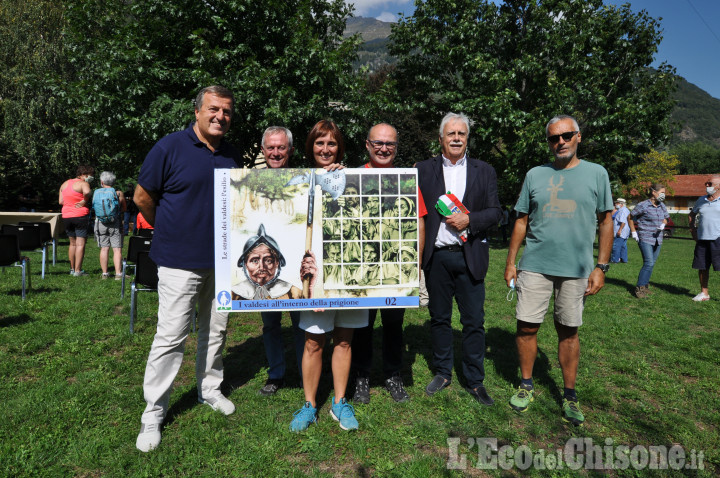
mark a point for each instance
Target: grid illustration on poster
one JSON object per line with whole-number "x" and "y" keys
{"x": 370, "y": 233}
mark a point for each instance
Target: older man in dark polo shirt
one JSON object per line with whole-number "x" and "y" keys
{"x": 175, "y": 194}
{"x": 453, "y": 266}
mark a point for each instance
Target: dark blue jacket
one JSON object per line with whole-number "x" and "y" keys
{"x": 481, "y": 199}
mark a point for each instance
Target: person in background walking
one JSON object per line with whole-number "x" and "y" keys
{"x": 647, "y": 222}
{"x": 705, "y": 229}
{"x": 621, "y": 232}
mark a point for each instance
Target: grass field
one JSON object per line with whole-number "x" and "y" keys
{"x": 72, "y": 387}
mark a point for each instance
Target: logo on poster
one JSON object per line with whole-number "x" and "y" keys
{"x": 223, "y": 299}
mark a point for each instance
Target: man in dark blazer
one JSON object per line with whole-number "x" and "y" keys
{"x": 454, "y": 265}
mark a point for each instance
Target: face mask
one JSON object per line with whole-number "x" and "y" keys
{"x": 661, "y": 197}
{"x": 710, "y": 190}
{"x": 617, "y": 206}
{"x": 89, "y": 178}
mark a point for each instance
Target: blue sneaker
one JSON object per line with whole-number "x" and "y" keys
{"x": 344, "y": 413}
{"x": 303, "y": 418}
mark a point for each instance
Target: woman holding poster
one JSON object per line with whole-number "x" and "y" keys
{"x": 326, "y": 147}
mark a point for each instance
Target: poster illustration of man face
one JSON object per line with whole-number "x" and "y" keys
{"x": 294, "y": 239}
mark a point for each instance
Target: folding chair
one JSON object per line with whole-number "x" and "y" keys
{"x": 136, "y": 244}
{"x": 45, "y": 235}
{"x": 146, "y": 280}
{"x": 10, "y": 256}
{"x": 30, "y": 240}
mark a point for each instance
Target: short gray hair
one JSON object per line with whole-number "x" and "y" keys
{"x": 107, "y": 178}
{"x": 561, "y": 118}
{"x": 275, "y": 130}
{"x": 455, "y": 116}
{"x": 217, "y": 90}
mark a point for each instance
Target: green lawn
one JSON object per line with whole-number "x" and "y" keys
{"x": 72, "y": 387}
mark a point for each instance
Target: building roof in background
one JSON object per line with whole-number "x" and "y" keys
{"x": 692, "y": 185}
{"x": 684, "y": 185}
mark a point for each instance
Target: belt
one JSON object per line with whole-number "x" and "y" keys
{"x": 450, "y": 248}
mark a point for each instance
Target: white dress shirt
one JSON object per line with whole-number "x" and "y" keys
{"x": 455, "y": 180}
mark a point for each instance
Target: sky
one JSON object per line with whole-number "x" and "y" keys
{"x": 691, "y": 33}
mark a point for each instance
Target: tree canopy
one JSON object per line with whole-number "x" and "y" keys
{"x": 512, "y": 67}
{"x": 32, "y": 62}
{"x": 141, "y": 62}
{"x": 655, "y": 167}
{"x": 99, "y": 81}
{"x": 697, "y": 158}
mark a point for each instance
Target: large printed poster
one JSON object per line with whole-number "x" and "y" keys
{"x": 293, "y": 239}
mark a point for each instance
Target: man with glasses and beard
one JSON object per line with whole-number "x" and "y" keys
{"x": 559, "y": 206}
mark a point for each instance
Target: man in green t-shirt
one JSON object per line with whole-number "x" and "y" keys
{"x": 559, "y": 207}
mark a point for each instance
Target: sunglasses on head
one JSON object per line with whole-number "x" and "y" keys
{"x": 565, "y": 136}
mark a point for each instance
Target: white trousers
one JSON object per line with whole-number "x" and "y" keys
{"x": 179, "y": 290}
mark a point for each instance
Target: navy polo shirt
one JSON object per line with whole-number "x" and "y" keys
{"x": 180, "y": 169}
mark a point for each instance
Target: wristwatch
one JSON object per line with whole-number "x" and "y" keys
{"x": 603, "y": 267}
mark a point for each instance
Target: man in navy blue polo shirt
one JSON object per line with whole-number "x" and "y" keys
{"x": 175, "y": 195}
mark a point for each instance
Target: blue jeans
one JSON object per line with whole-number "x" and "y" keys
{"x": 619, "y": 250}
{"x": 650, "y": 253}
{"x": 272, "y": 338}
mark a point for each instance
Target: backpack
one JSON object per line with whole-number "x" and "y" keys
{"x": 106, "y": 205}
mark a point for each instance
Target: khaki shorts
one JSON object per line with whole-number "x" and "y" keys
{"x": 534, "y": 291}
{"x": 326, "y": 321}
{"x": 108, "y": 235}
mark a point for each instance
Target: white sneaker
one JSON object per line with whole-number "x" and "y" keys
{"x": 149, "y": 437}
{"x": 702, "y": 296}
{"x": 219, "y": 403}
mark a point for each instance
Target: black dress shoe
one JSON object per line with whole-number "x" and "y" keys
{"x": 436, "y": 384}
{"x": 481, "y": 395}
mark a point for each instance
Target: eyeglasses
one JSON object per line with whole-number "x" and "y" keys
{"x": 565, "y": 136}
{"x": 378, "y": 145}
